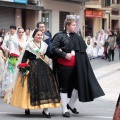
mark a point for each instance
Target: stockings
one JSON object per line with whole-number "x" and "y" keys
{"x": 46, "y": 110}
{"x": 72, "y": 101}
{"x": 64, "y": 102}
{"x": 73, "y": 98}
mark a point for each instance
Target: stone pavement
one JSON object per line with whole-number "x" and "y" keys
{"x": 109, "y": 79}
{"x": 102, "y": 108}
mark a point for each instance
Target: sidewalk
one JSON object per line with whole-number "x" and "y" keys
{"x": 109, "y": 79}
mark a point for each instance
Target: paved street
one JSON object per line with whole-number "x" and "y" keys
{"x": 108, "y": 75}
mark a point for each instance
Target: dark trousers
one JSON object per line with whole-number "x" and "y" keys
{"x": 110, "y": 53}
{"x": 66, "y": 78}
{"x": 105, "y": 52}
{"x": 105, "y": 49}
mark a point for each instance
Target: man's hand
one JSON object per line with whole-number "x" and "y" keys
{"x": 68, "y": 56}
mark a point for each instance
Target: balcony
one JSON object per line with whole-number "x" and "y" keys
{"x": 98, "y": 4}
{"x": 115, "y": 1}
{"x": 115, "y": 4}
{"x": 93, "y": 4}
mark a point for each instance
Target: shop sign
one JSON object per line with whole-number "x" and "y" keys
{"x": 17, "y": 1}
{"x": 94, "y": 13}
{"x": 21, "y": 1}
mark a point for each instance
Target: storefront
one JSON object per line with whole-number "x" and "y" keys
{"x": 7, "y": 17}
{"x": 19, "y": 13}
{"x": 93, "y": 21}
{"x": 51, "y": 12}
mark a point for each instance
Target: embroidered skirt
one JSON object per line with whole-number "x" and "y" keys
{"x": 40, "y": 89}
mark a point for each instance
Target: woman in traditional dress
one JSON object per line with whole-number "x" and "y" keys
{"x": 12, "y": 44}
{"x": 2, "y": 65}
{"x": 101, "y": 38}
{"x": 28, "y": 34}
{"x": 89, "y": 47}
{"x": 117, "y": 110}
{"x": 2, "y": 59}
{"x": 40, "y": 88}
{"x": 2, "y": 33}
{"x": 101, "y": 51}
{"x": 95, "y": 50}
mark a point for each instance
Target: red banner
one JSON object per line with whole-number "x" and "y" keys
{"x": 94, "y": 13}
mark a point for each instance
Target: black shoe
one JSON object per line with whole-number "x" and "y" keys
{"x": 27, "y": 111}
{"x": 74, "y": 110}
{"x": 46, "y": 115}
{"x": 109, "y": 60}
{"x": 66, "y": 114}
{"x": 105, "y": 58}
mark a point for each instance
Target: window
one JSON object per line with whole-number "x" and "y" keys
{"x": 107, "y": 3}
{"x": 88, "y": 26}
{"x": 118, "y": 1}
{"x": 113, "y": 1}
{"x": 115, "y": 12}
{"x": 62, "y": 19}
{"x": 46, "y": 19}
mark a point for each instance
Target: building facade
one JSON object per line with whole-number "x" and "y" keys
{"x": 51, "y": 12}
{"x": 101, "y": 14}
{"x": 55, "y": 12}
{"x": 19, "y": 14}
{"x": 115, "y": 14}
{"x": 97, "y": 18}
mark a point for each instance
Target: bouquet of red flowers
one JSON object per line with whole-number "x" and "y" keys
{"x": 24, "y": 69}
{"x": 13, "y": 58}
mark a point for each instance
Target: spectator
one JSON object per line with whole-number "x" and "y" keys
{"x": 94, "y": 51}
{"x": 89, "y": 48}
{"x": 118, "y": 43}
{"x": 27, "y": 34}
{"x": 111, "y": 46}
{"x": 2, "y": 33}
{"x": 46, "y": 36}
{"x": 101, "y": 51}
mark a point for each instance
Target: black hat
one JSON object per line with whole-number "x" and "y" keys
{"x": 13, "y": 26}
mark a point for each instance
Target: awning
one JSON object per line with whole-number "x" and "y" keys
{"x": 80, "y": 0}
{"x": 73, "y": 1}
{"x": 21, "y": 6}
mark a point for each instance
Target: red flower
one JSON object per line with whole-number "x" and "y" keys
{"x": 14, "y": 55}
{"x": 23, "y": 65}
{"x": 24, "y": 69}
{"x": 95, "y": 43}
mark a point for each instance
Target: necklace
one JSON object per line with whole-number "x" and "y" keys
{"x": 39, "y": 46}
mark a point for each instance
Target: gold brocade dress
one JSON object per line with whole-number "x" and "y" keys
{"x": 21, "y": 97}
{"x": 39, "y": 90}
{"x": 117, "y": 110}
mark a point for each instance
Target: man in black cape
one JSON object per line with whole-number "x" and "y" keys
{"x": 80, "y": 79}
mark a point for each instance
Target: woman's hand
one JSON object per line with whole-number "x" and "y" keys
{"x": 68, "y": 56}
{"x": 7, "y": 50}
{"x": 20, "y": 48}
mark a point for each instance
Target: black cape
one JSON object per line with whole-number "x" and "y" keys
{"x": 88, "y": 86}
